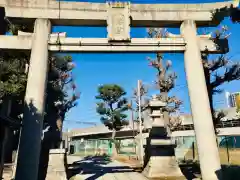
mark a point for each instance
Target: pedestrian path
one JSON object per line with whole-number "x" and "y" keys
{"x": 102, "y": 168}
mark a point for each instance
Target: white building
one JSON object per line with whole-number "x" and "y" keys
{"x": 231, "y": 99}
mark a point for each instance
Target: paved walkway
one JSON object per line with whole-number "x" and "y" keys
{"x": 101, "y": 168}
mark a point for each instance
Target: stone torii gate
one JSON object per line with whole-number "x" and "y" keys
{"x": 118, "y": 17}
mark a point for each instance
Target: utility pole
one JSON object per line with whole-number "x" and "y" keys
{"x": 140, "y": 120}
{"x": 66, "y": 145}
{"x": 132, "y": 118}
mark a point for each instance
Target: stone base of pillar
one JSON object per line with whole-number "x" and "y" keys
{"x": 160, "y": 161}
{"x": 56, "y": 165}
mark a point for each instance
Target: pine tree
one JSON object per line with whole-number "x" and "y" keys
{"x": 60, "y": 86}
{"x": 111, "y": 107}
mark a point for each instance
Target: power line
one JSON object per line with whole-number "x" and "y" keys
{"x": 87, "y": 114}
{"x": 82, "y": 122}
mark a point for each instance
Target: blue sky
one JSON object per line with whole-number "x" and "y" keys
{"x": 125, "y": 69}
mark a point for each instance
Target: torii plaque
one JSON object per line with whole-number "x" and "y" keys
{"x": 118, "y": 21}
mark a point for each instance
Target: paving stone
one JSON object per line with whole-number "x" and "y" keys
{"x": 96, "y": 168}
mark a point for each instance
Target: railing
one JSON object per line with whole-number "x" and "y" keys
{"x": 222, "y": 124}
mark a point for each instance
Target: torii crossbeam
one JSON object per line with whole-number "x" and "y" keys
{"x": 102, "y": 45}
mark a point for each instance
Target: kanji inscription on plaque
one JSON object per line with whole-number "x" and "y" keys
{"x": 118, "y": 22}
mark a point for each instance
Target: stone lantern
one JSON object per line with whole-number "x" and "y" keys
{"x": 159, "y": 160}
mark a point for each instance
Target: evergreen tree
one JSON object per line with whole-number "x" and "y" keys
{"x": 61, "y": 90}
{"x": 111, "y": 107}
{"x": 13, "y": 79}
{"x": 12, "y": 89}
{"x": 61, "y": 97}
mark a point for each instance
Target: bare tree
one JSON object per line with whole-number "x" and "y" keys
{"x": 165, "y": 82}
{"x": 235, "y": 15}
{"x": 218, "y": 71}
{"x": 233, "y": 12}
{"x": 143, "y": 93}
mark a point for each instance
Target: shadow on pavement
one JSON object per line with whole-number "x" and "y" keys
{"x": 229, "y": 172}
{"x": 96, "y": 166}
{"x": 190, "y": 171}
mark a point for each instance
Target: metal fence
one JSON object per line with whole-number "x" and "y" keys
{"x": 229, "y": 148}
{"x": 99, "y": 146}
{"x": 222, "y": 124}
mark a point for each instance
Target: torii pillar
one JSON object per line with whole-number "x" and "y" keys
{"x": 30, "y": 139}
{"x": 202, "y": 117}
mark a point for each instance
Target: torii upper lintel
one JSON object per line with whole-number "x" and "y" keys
{"x": 96, "y": 14}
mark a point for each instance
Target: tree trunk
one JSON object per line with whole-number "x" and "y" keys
{"x": 3, "y": 143}
{"x": 5, "y": 111}
{"x": 114, "y": 150}
{"x": 59, "y": 124}
{"x": 118, "y": 146}
{"x": 166, "y": 115}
